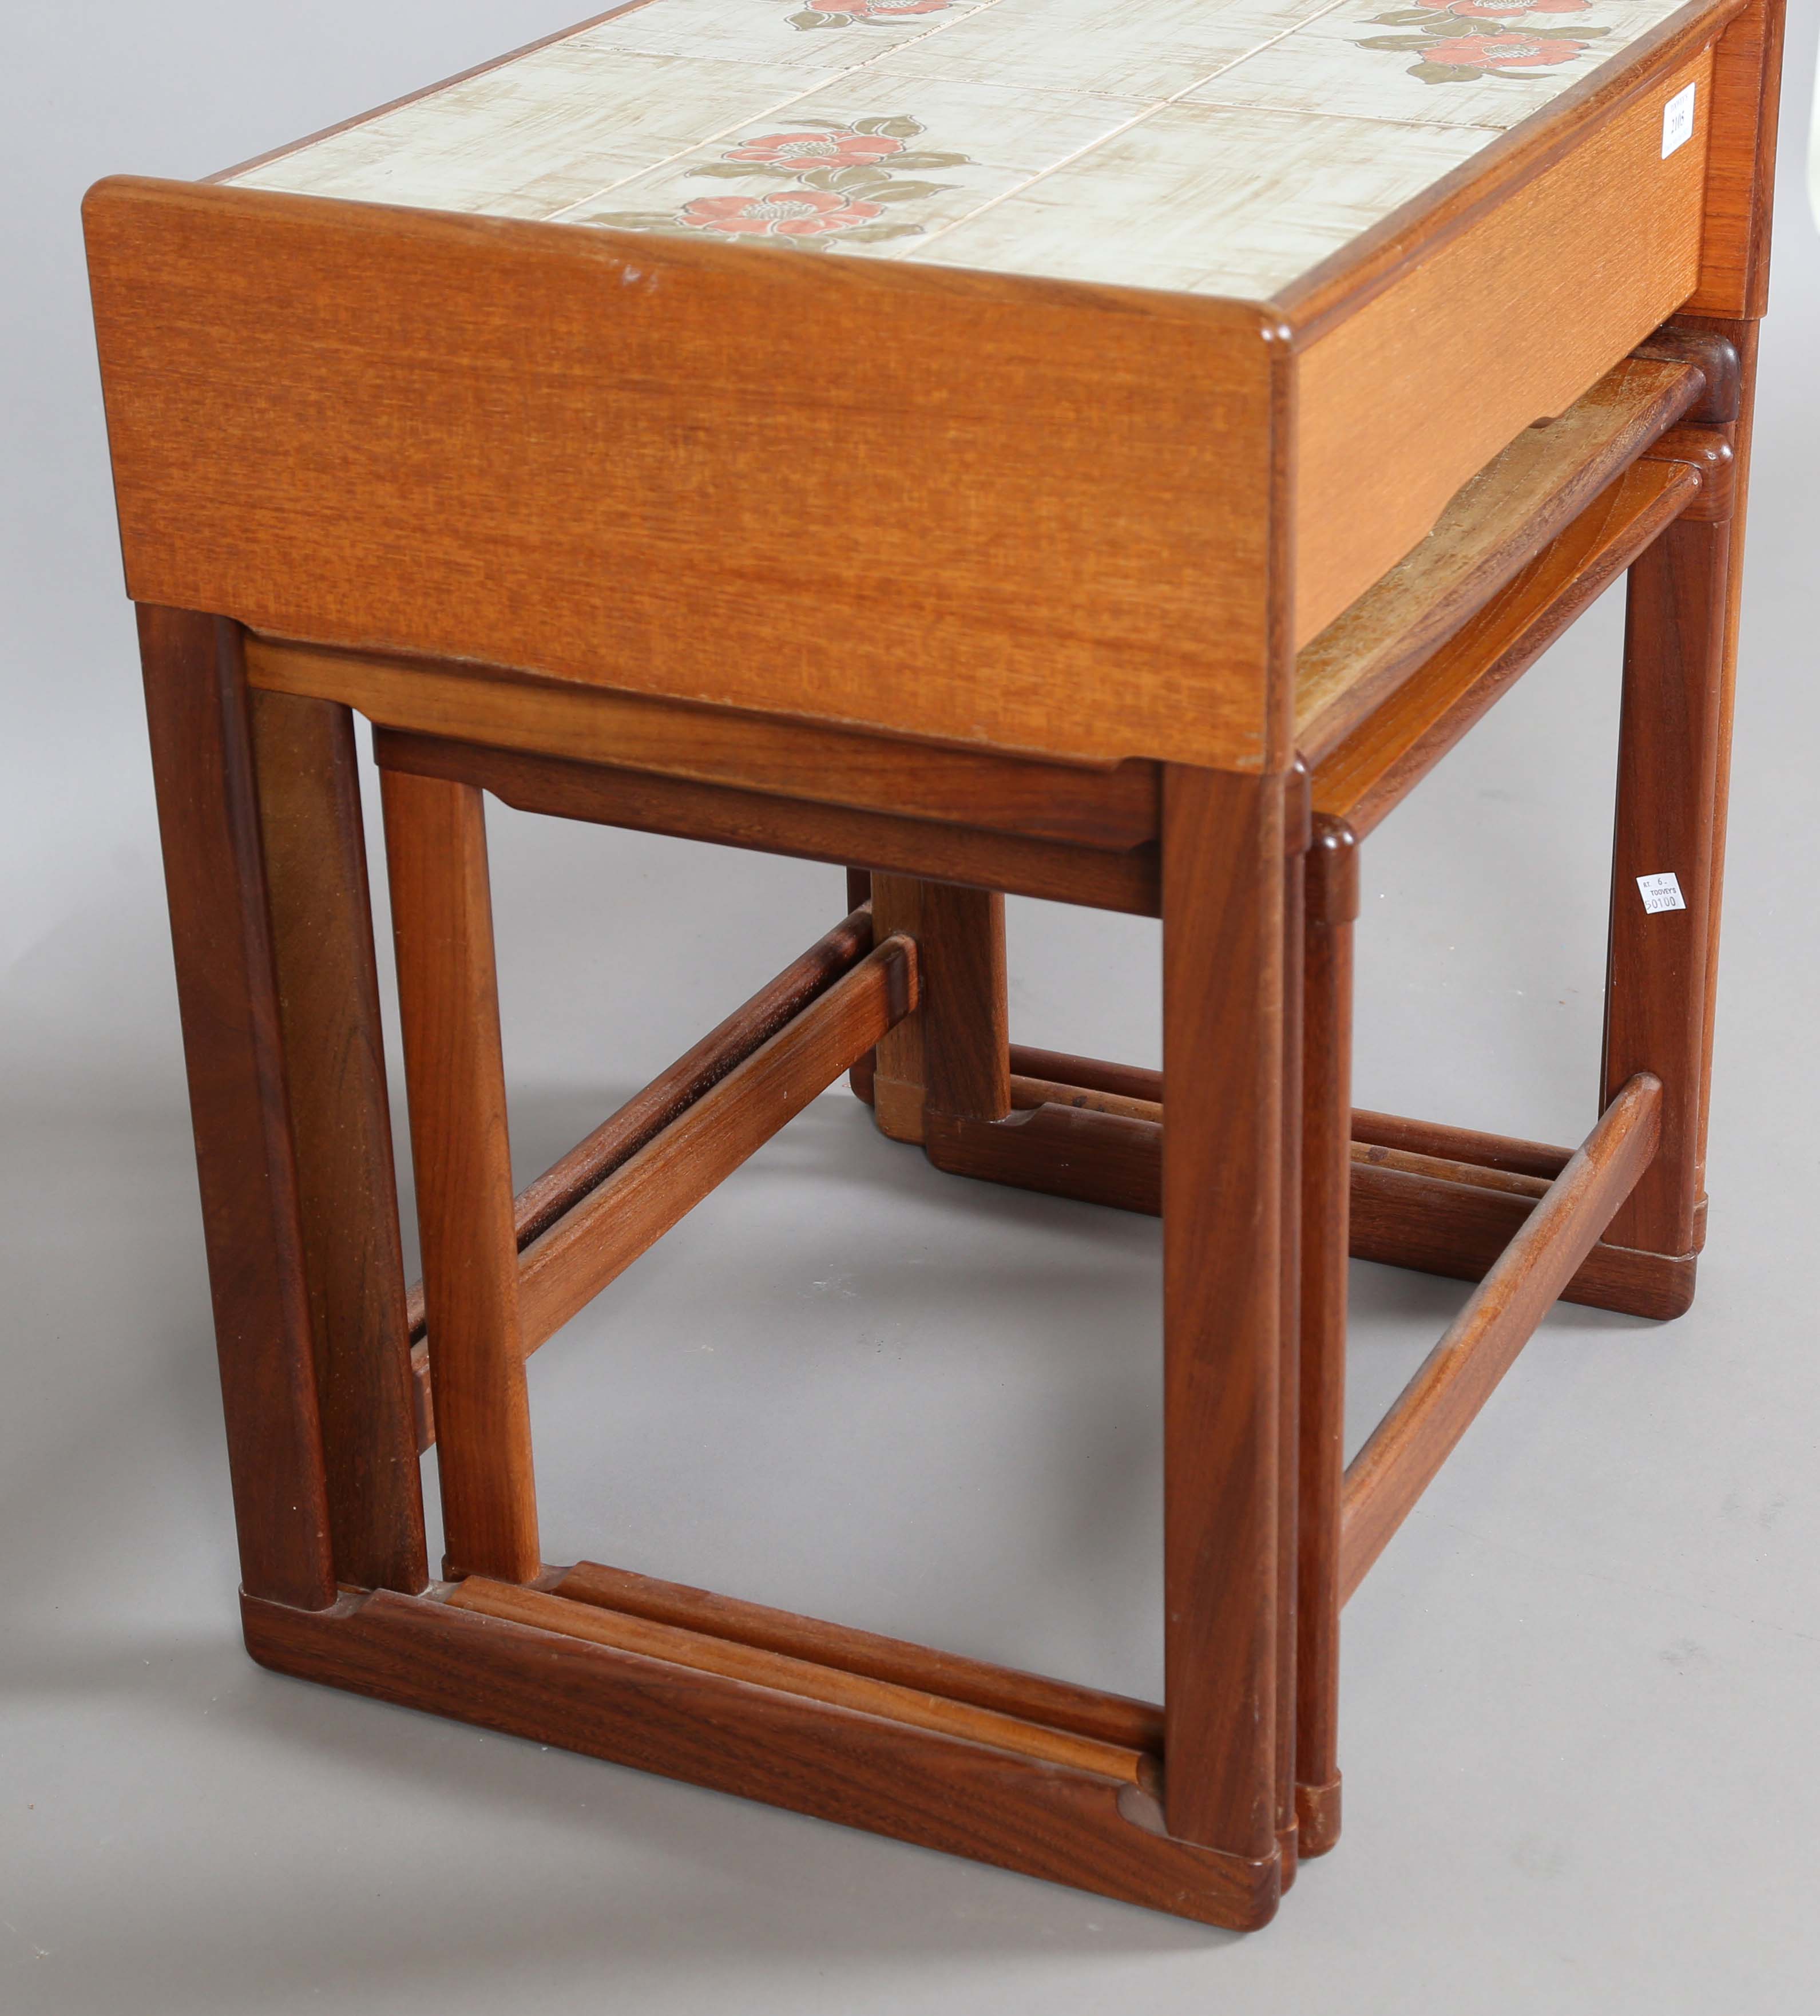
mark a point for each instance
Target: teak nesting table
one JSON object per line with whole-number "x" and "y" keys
{"x": 1104, "y": 452}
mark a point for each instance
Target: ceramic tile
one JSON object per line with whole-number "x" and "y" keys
{"x": 1127, "y": 48}
{"x": 1202, "y": 199}
{"x": 532, "y": 137}
{"x": 1449, "y": 62}
{"x": 868, "y": 165}
{"x": 1207, "y": 145}
{"x": 818, "y": 37}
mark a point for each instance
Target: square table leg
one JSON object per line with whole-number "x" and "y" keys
{"x": 227, "y": 989}
{"x": 1223, "y": 1013}
{"x": 1681, "y": 641}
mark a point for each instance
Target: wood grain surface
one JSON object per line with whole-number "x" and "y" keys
{"x": 442, "y": 925}
{"x": 1491, "y": 530}
{"x": 328, "y": 1000}
{"x": 1113, "y": 1718}
{"x": 204, "y": 770}
{"x": 1599, "y": 249}
{"x": 914, "y": 1784}
{"x": 497, "y": 440}
{"x": 1403, "y": 1452}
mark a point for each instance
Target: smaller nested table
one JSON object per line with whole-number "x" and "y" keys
{"x": 1104, "y": 453}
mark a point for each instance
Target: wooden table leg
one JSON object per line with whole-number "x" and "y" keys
{"x": 1296, "y": 836}
{"x": 436, "y": 855}
{"x": 1331, "y": 908}
{"x": 227, "y": 990}
{"x": 952, "y": 1057}
{"x": 1223, "y": 879}
{"x": 322, "y": 923}
{"x": 1674, "y": 747}
{"x": 859, "y": 889}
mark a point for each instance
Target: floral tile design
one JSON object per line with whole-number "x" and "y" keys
{"x": 861, "y": 14}
{"x": 1213, "y": 146}
{"x": 527, "y": 140}
{"x": 857, "y": 167}
{"x": 1459, "y": 42}
{"x": 823, "y": 179}
{"x": 1501, "y": 60}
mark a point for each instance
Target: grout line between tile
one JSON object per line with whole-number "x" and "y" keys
{"x": 1112, "y": 133}
{"x": 768, "y": 111}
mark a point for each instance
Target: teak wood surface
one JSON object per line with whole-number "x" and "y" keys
{"x": 1196, "y": 597}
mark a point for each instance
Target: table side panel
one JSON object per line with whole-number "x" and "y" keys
{"x": 982, "y": 509}
{"x": 1504, "y": 324}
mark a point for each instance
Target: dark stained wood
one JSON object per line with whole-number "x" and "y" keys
{"x": 1400, "y": 1219}
{"x": 1408, "y": 1446}
{"x": 1714, "y": 356}
{"x": 1298, "y": 837}
{"x": 1364, "y": 777}
{"x": 1125, "y": 880}
{"x": 859, "y": 894}
{"x": 900, "y": 1068}
{"x": 1497, "y": 524}
{"x": 435, "y": 857}
{"x": 1707, "y": 451}
{"x": 1329, "y": 913}
{"x": 600, "y": 1236}
{"x": 1458, "y": 1144}
{"x": 1672, "y": 742}
{"x": 1223, "y": 870}
{"x": 1412, "y": 1215}
{"x": 1449, "y": 1171}
{"x": 328, "y": 999}
{"x": 1131, "y": 1081}
{"x": 645, "y": 1115}
{"x": 1743, "y": 337}
{"x": 764, "y": 1667}
{"x": 964, "y": 1005}
{"x": 227, "y": 994}
{"x": 1081, "y": 805}
{"x": 953, "y": 1058}
{"x": 695, "y": 1073}
{"x": 1107, "y": 1718}
{"x": 1741, "y": 164}
{"x": 1026, "y": 1092}
{"x": 1066, "y": 1151}
{"x": 916, "y": 1785}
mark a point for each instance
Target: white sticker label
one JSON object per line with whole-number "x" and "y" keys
{"x": 1677, "y": 121}
{"x": 1661, "y": 892}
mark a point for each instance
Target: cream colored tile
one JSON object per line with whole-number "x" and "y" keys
{"x": 816, "y": 36}
{"x": 533, "y": 136}
{"x": 1127, "y": 48}
{"x": 1203, "y": 199}
{"x": 1449, "y": 63}
{"x": 868, "y": 164}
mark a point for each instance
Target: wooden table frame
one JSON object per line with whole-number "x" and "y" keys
{"x": 334, "y": 1376}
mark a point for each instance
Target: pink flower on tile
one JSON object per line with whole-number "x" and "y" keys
{"x": 877, "y": 10}
{"x": 1500, "y": 52}
{"x": 790, "y": 213}
{"x": 1492, "y": 10}
{"x": 815, "y": 150}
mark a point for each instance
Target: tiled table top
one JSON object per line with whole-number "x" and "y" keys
{"x": 1219, "y": 146}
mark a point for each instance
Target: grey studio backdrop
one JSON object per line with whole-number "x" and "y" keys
{"x": 1580, "y": 1691}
